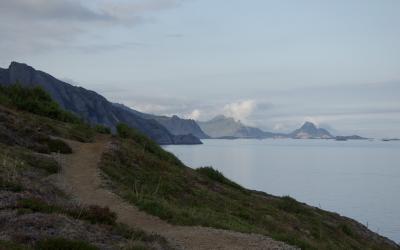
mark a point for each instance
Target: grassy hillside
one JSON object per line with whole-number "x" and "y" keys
{"x": 34, "y": 213}
{"x": 158, "y": 183}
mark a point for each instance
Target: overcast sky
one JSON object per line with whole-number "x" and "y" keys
{"x": 273, "y": 64}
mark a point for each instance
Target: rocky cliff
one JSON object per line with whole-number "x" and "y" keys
{"x": 88, "y": 104}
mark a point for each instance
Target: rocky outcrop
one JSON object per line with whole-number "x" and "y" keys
{"x": 174, "y": 124}
{"x": 88, "y": 104}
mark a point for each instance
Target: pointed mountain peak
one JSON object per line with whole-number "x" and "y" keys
{"x": 309, "y": 125}
{"x": 14, "y": 64}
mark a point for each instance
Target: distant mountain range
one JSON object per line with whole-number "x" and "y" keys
{"x": 226, "y": 127}
{"x": 96, "y": 109}
{"x": 222, "y": 127}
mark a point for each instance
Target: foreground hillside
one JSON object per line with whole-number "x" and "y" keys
{"x": 34, "y": 212}
{"x": 158, "y": 183}
{"x": 38, "y": 139}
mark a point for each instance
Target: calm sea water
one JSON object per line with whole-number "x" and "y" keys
{"x": 358, "y": 179}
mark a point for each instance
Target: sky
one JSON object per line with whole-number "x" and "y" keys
{"x": 271, "y": 64}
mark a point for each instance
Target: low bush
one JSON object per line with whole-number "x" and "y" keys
{"x": 12, "y": 186}
{"x": 59, "y": 146}
{"x": 126, "y": 132}
{"x": 290, "y": 205}
{"x": 94, "y": 214}
{"x": 34, "y": 100}
{"x": 42, "y": 162}
{"x": 81, "y": 132}
{"x": 101, "y": 129}
{"x": 101, "y": 215}
{"x": 7, "y": 245}
{"x": 217, "y": 176}
{"x": 63, "y": 244}
{"x": 37, "y": 205}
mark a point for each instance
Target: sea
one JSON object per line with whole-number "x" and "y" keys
{"x": 359, "y": 179}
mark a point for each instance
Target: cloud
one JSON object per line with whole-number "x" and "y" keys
{"x": 240, "y": 110}
{"x": 195, "y": 114}
{"x": 38, "y": 26}
{"x": 51, "y": 10}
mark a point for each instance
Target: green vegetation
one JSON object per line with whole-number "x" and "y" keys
{"x": 158, "y": 183}
{"x": 217, "y": 176}
{"x": 93, "y": 214}
{"x": 101, "y": 129}
{"x": 22, "y": 135}
{"x": 8, "y": 245}
{"x": 59, "y": 146}
{"x": 63, "y": 244}
{"x": 34, "y": 100}
{"x": 139, "y": 238}
{"x": 12, "y": 186}
{"x": 146, "y": 144}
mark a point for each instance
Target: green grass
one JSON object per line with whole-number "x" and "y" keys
{"x": 161, "y": 185}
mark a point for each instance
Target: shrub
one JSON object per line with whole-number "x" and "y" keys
{"x": 8, "y": 245}
{"x": 10, "y": 186}
{"x": 63, "y": 244}
{"x": 346, "y": 229}
{"x": 97, "y": 214}
{"x": 81, "y": 132}
{"x": 59, "y": 146}
{"x": 34, "y": 100}
{"x": 126, "y": 132}
{"x": 290, "y": 205}
{"x": 42, "y": 162}
{"x": 94, "y": 214}
{"x": 37, "y": 205}
{"x": 217, "y": 176}
{"x": 101, "y": 129}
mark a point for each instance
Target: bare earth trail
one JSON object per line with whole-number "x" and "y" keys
{"x": 81, "y": 178}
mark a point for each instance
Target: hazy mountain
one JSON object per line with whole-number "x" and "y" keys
{"x": 174, "y": 124}
{"x": 310, "y": 131}
{"x": 89, "y": 105}
{"x": 227, "y": 127}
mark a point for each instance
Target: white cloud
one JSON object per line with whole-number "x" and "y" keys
{"x": 37, "y": 26}
{"x": 240, "y": 110}
{"x": 195, "y": 114}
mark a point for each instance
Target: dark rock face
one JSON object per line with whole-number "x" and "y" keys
{"x": 178, "y": 126}
{"x": 174, "y": 124}
{"x": 310, "y": 131}
{"x": 89, "y": 105}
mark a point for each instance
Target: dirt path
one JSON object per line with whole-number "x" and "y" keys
{"x": 81, "y": 178}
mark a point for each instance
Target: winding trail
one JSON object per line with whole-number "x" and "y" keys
{"x": 81, "y": 178}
